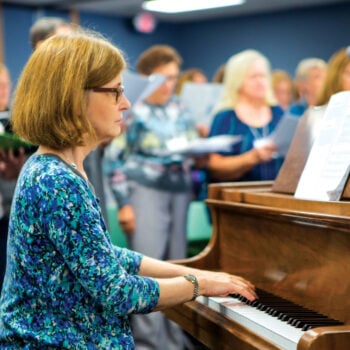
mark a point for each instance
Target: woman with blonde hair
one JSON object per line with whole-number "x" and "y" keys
{"x": 249, "y": 109}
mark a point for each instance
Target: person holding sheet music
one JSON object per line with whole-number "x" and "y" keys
{"x": 197, "y": 76}
{"x": 10, "y": 165}
{"x": 247, "y": 108}
{"x": 5, "y": 95}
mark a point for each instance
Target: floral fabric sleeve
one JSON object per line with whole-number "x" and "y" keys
{"x": 131, "y": 260}
{"x": 75, "y": 229}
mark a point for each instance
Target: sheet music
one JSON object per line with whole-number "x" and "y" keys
{"x": 200, "y": 99}
{"x": 328, "y": 164}
{"x": 138, "y": 87}
{"x": 282, "y": 135}
{"x": 154, "y": 81}
{"x": 199, "y": 146}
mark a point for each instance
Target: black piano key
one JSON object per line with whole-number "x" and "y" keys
{"x": 287, "y": 311}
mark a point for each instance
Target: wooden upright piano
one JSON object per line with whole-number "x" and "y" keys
{"x": 296, "y": 252}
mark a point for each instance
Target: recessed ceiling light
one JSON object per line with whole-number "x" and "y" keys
{"x": 177, "y": 6}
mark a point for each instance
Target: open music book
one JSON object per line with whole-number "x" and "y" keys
{"x": 327, "y": 167}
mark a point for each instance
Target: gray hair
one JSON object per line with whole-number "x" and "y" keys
{"x": 303, "y": 68}
{"x": 44, "y": 27}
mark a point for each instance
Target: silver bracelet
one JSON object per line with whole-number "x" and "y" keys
{"x": 193, "y": 279}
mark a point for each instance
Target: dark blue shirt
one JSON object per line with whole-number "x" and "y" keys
{"x": 227, "y": 123}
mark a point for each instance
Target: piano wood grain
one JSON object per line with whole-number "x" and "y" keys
{"x": 332, "y": 338}
{"x": 215, "y": 330}
{"x": 298, "y": 250}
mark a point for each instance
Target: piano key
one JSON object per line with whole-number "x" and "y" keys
{"x": 278, "y": 319}
{"x": 293, "y": 314}
{"x": 269, "y": 327}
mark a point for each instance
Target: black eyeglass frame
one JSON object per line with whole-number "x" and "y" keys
{"x": 119, "y": 91}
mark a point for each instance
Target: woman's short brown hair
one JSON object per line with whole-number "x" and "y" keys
{"x": 51, "y": 97}
{"x": 156, "y": 56}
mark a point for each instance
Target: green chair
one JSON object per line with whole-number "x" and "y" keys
{"x": 199, "y": 229}
{"x": 115, "y": 231}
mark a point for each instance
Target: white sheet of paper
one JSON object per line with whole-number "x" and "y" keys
{"x": 154, "y": 81}
{"x": 5, "y": 115}
{"x": 283, "y": 134}
{"x": 327, "y": 166}
{"x": 205, "y": 145}
{"x": 200, "y": 99}
{"x": 138, "y": 87}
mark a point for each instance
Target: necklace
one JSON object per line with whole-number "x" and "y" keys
{"x": 256, "y": 134}
{"x": 67, "y": 161}
{"x": 73, "y": 166}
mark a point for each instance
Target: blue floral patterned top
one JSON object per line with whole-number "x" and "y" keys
{"x": 66, "y": 286}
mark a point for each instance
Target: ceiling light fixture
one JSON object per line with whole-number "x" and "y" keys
{"x": 168, "y": 6}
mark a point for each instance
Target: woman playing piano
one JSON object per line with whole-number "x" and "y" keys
{"x": 66, "y": 285}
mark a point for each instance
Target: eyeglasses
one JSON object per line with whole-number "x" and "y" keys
{"x": 172, "y": 78}
{"x": 119, "y": 91}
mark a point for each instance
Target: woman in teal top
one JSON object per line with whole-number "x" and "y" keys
{"x": 66, "y": 286}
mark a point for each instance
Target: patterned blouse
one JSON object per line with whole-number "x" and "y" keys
{"x": 66, "y": 286}
{"x": 144, "y": 154}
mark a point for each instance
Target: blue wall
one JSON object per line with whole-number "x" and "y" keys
{"x": 284, "y": 37}
{"x": 122, "y": 33}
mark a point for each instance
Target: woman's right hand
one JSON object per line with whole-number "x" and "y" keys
{"x": 126, "y": 219}
{"x": 266, "y": 151}
{"x": 222, "y": 284}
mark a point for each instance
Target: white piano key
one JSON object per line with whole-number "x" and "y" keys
{"x": 267, "y": 326}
